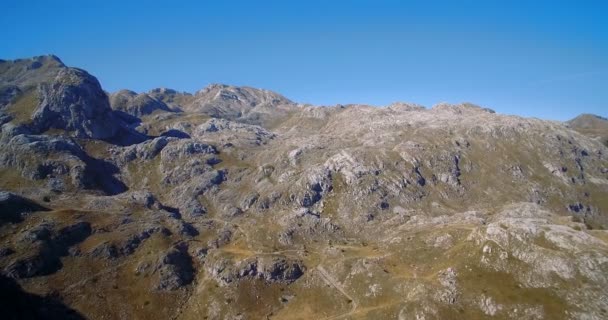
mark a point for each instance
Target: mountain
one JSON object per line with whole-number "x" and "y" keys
{"x": 591, "y": 125}
{"x": 41, "y": 94}
{"x": 589, "y": 121}
{"x": 237, "y": 203}
{"x": 229, "y": 101}
{"x": 245, "y": 104}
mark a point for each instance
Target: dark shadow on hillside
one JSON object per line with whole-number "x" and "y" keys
{"x": 12, "y": 207}
{"x": 127, "y": 118}
{"x": 16, "y": 304}
{"x": 174, "y": 133}
{"x": 102, "y": 173}
{"x": 127, "y": 136}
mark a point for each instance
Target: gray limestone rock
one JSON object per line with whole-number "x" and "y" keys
{"x": 274, "y": 269}
{"x": 75, "y": 102}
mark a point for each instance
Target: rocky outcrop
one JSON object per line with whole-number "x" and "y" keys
{"x": 311, "y": 188}
{"x": 525, "y": 231}
{"x": 225, "y": 132}
{"x": 74, "y": 101}
{"x": 174, "y": 269}
{"x": 129, "y": 243}
{"x": 136, "y": 104}
{"x": 189, "y": 181}
{"x": 146, "y": 150}
{"x": 59, "y": 161}
{"x": 8, "y": 94}
{"x": 45, "y": 94}
{"x": 448, "y": 280}
{"x": 44, "y": 248}
{"x": 270, "y": 269}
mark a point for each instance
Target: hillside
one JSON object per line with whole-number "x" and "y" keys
{"x": 238, "y": 203}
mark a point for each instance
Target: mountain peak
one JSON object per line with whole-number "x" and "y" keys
{"x": 49, "y": 59}
{"x": 588, "y": 116}
{"x": 163, "y": 90}
{"x": 592, "y": 125}
{"x": 36, "y": 62}
{"x": 405, "y": 106}
{"x": 461, "y": 107}
{"x": 234, "y": 101}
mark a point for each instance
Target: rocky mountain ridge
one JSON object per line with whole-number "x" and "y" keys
{"x": 237, "y": 203}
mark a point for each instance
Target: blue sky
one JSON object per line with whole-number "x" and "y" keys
{"x": 547, "y": 59}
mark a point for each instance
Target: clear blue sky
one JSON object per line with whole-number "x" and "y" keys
{"x": 547, "y": 59}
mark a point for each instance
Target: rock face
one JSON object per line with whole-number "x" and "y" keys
{"x": 58, "y": 161}
{"x": 48, "y": 246}
{"x": 175, "y": 269}
{"x": 53, "y": 96}
{"x": 74, "y": 101}
{"x": 237, "y": 203}
{"x": 269, "y": 269}
{"x": 8, "y": 94}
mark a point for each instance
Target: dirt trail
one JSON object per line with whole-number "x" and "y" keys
{"x": 332, "y": 282}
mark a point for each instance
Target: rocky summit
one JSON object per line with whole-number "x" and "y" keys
{"x": 238, "y": 203}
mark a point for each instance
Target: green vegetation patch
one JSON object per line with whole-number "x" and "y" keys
{"x": 23, "y": 107}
